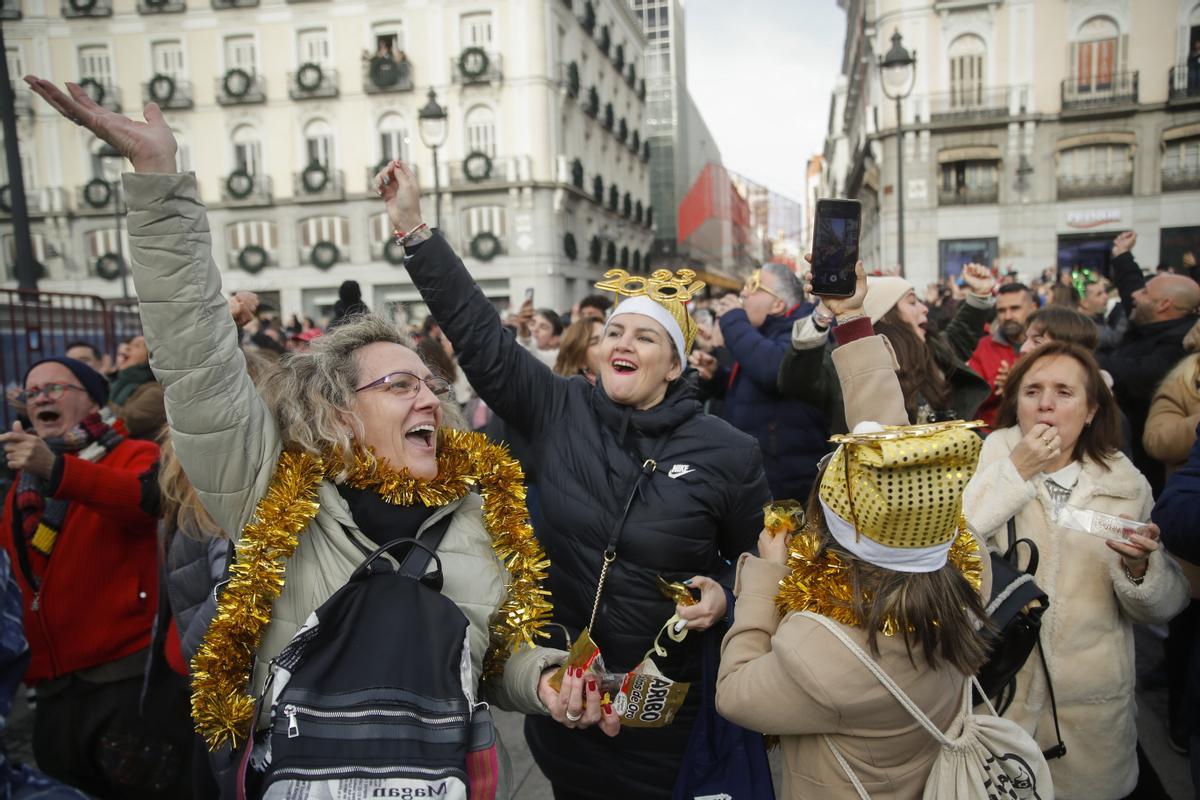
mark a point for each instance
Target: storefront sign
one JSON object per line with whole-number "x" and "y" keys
{"x": 1094, "y": 218}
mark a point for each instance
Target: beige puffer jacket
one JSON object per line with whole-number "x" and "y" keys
{"x": 228, "y": 442}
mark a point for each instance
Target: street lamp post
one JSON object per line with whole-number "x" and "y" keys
{"x": 898, "y": 70}
{"x": 432, "y": 121}
{"x": 107, "y": 152}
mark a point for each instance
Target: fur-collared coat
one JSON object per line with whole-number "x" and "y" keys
{"x": 1087, "y": 633}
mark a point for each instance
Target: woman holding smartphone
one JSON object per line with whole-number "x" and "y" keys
{"x": 1056, "y": 444}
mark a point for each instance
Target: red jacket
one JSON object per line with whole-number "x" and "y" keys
{"x": 986, "y": 360}
{"x": 100, "y": 585}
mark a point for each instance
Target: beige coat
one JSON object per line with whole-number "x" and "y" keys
{"x": 228, "y": 441}
{"x": 794, "y": 678}
{"x": 1174, "y": 415}
{"x": 1087, "y": 633}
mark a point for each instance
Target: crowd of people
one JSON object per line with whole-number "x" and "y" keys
{"x": 185, "y": 522}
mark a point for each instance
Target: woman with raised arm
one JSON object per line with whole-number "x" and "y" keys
{"x": 352, "y": 448}
{"x": 635, "y": 483}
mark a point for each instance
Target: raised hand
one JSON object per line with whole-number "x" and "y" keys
{"x": 398, "y": 187}
{"x": 841, "y": 306}
{"x": 149, "y": 146}
{"x": 1124, "y": 243}
{"x": 979, "y": 279}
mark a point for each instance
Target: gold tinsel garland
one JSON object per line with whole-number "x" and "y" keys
{"x": 821, "y": 584}
{"x": 222, "y": 706}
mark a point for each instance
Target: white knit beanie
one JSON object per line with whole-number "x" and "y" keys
{"x": 883, "y": 293}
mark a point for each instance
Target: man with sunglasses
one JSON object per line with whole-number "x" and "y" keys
{"x": 83, "y": 550}
{"x": 757, "y": 328}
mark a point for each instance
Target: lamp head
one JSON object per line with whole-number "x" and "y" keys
{"x": 432, "y": 121}
{"x": 898, "y": 69}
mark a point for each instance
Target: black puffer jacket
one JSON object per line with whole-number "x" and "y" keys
{"x": 586, "y": 453}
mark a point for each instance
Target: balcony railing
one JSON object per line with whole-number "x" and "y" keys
{"x": 241, "y": 87}
{"x": 168, "y": 92}
{"x": 312, "y": 81}
{"x": 478, "y": 172}
{"x": 1083, "y": 94}
{"x": 103, "y": 92}
{"x": 476, "y": 65}
{"x": 1183, "y": 83}
{"x": 968, "y": 195}
{"x": 10, "y": 9}
{"x": 219, "y": 4}
{"x": 243, "y": 189}
{"x": 45, "y": 200}
{"x": 1180, "y": 179}
{"x": 161, "y": 6}
{"x": 383, "y": 74}
{"x": 73, "y": 9}
{"x": 1071, "y": 187}
{"x": 307, "y": 190}
{"x": 980, "y": 103}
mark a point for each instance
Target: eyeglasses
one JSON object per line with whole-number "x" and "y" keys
{"x": 406, "y": 384}
{"x": 53, "y": 391}
{"x": 754, "y": 284}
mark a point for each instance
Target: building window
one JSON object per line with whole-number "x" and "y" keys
{"x": 241, "y": 53}
{"x": 389, "y": 39}
{"x": 183, "y": 152}
{"x": 393, "y": 138}
{"x": 481, "y": 131}
{"x": 484, "y": 219}
{"x": 312, "y": 46}
{"x": 16, "y": 62}
{"x": 477, "y": 30}
{"x": 166, "y": 58}
{"x": 101, "y": 242}
{"x": 968, "y": 182}
{"x": 1173, "y": 243}
{"x": 1097, "y": 55}
{"x": 247, "y": 150}
{"x": 260, "y": 233}
{"x": 957, "y": 253}
{"x": 318, "y": 143}
{"x": 1181, "y": 164}
{"x": 966, "y": 72}
{"x": 381, "y": 228}
{"x": 1097, "y": 169}
{"x": 95, "y": 62}
{"x": 324, "y": 229}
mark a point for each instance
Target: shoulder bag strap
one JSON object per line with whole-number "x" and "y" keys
{"x": 1012, "y": 540}
{"x": 1059, "y": 750}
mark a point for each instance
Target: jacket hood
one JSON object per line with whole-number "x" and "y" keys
{"x": 679, "y": 405}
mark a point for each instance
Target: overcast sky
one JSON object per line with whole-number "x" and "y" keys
{"x": 761, "y": 72}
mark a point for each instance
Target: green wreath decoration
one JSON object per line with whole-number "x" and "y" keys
{"x": 324, "y": 255}
{"x": 237, "y": 82}
{"x": 569, "y": 246}
{"x": 477, "y": 166}
{"x": 386, "y": 72}
{"x": 309, "y": 76}
{"x": 161, "y": 88}
{"x": 94, "y": 90}
{"x": 473, "y": 62}
{"x": 314, "y": 177}
{"x": 239, "y": 184}
{"x": 485, "y": 246}
{"x": 110, "y": 266}
{"x": 393, "y": 252}
{"x": 82, "y": 6}
{"x": 252, "y": 259}
{"x": 97, "y": 192}
{"x": 6, "y": 198}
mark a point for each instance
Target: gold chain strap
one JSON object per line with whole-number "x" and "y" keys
{"x": 610, "y": 552}
{"x": 609, "y": 558}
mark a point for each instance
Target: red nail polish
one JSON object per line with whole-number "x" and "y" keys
{"x": 591, "y": 684}
{"x": 607, "y": 709}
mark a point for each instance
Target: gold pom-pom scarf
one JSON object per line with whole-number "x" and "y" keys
{"x": 222, "y": 706}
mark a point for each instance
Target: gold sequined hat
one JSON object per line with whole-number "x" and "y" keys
{"x": 901, "y": 487}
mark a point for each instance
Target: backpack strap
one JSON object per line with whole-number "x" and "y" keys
{"x": 417, "y": 559}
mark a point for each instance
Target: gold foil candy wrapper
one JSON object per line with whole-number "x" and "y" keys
{"x": 584, "y": 654}
{"x": 783, "y": 516}
{"x": 674, "y": 590}
{"x": 647, "y": 699}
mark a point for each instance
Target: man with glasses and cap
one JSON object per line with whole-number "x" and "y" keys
{"x": 83, "y": 548}
{"x": 757, "y": 327}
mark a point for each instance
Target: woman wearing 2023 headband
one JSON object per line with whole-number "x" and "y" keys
{"x": 693, "y": 515}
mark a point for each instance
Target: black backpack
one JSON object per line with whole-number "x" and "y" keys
{"x": 1016, "y": 607}
{"x": 372, "y": 697}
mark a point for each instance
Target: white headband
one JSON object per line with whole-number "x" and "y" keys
{"x": 900, "y": 559}
{"x": 645, "y": 306}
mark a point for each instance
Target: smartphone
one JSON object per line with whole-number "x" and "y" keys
{"x": 835, "y": 247}
{"x": 529, "y": 295}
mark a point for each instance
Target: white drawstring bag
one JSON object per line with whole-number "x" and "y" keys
{"x": 983, "y": 757}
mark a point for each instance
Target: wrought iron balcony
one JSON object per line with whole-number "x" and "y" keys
{"x": 1072, "y": 186}
{"x": 38, "y": 201}
{"x": 383, "y": 74}
{"x": 478, "y": 170}
{"x": 161, "y": 6}
{"x": 219, "y": 4}
{"x": 312, "y": 81}
{"x": 241, "y": 87}
{"x": 1180, "y": 179}
{"x": 309, "y": 187}
{"x": 103, "y": 92}
{"x": 976, "y": 103}
{"x": 1183, "y": 83}
{"x": 240, "y": 188}
{"x": 968, "y": 195}
{"x": 168, "y": 92}
{"x": 1088, "y": 93}
{"x": 73, "y": 9}
{"x": 474, "y": 65}
{"x": 10, "y": 9}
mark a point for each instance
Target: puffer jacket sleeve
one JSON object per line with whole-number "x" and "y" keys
{"x": 806, "y": 370}
{"x": 996, "y": 492}
{"x": 512, "y": 381}
{"x": 224, "y": 435}
{"x": 1163, "y": 592}
{"x": 740, "y": 528}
